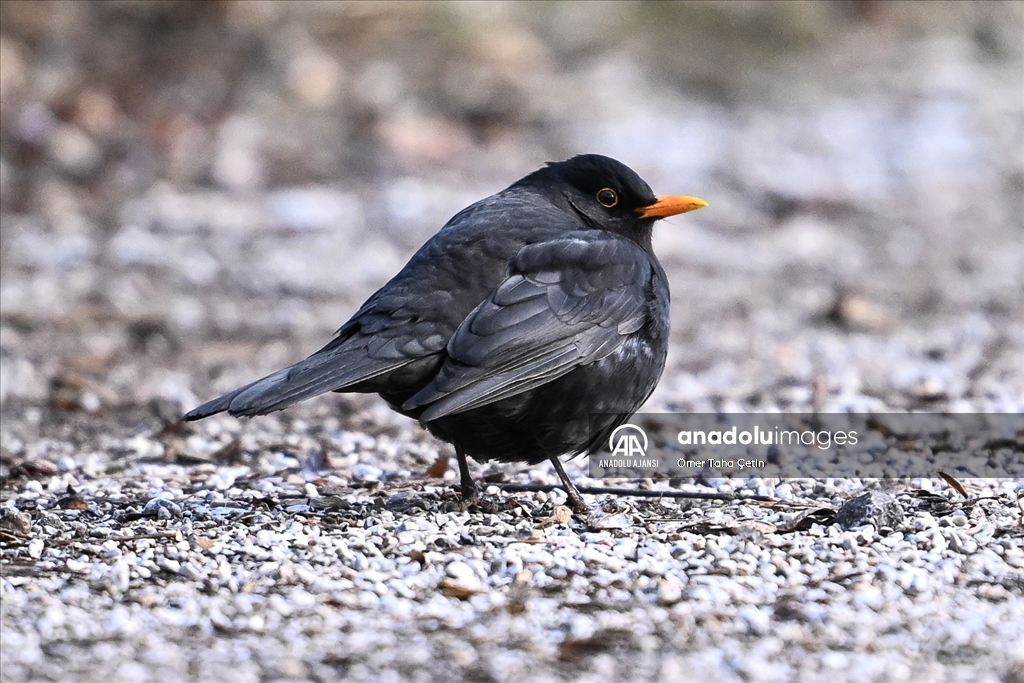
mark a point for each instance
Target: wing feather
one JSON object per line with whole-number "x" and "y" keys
{"x": 567, "y": 302}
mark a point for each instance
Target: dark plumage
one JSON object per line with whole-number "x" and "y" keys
{"x": 529, "y": 312}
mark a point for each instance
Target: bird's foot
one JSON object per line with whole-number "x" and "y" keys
{"x": 576, "y": 502}
{"x": 575, "y": 498}
{"x": 469, "y": 498}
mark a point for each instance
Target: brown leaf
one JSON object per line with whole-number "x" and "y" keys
{"x": 439, "y": 467}
{"x": 72, "y": 501}
{"x": 563, "y": 515}
{"x": 456, "y": 590}
{"x": 952, "y": 481}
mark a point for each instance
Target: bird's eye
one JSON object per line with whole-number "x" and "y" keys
{"x": 607, "y": 197}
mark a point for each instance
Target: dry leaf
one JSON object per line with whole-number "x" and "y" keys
{"x": 457, "y": 590}
{"x": 952, "y": 481}
{"x": 563, "y": 515}
{"x": 438, "y": 469}
{"x": 72, "y": 501}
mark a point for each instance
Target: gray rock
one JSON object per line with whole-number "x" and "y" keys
{"x": 874, "y": 507}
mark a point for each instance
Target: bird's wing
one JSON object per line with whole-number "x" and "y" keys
{"x": 566, "y": 302}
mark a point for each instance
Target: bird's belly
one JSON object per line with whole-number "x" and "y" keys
{"x": 569, "y": 415}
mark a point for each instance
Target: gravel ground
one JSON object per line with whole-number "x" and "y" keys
{"x": 192, "y": 195}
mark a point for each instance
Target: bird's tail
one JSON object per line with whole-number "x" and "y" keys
{"x": 318, "y": 374}
{"x": 273, "y": 392}
{"x": 217, "y": 405}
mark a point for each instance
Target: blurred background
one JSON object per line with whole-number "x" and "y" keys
{"x": 195, "y": 193}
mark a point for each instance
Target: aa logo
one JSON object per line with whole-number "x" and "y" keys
{"x": 628, "y": 441}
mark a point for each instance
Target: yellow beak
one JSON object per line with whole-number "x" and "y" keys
{"x": 670, "y": 206}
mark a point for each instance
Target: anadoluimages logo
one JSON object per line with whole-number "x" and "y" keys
{"x": 628, "y": 441}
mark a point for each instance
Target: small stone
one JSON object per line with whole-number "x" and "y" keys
{"x": 460, "y": 571}
{"x": 162, "y": 507}
{"x": 18, "y": 524}
{"x": 119, "y": 576}
{"x": 74, "y": 151}
{"x": 169, "y": 565}
{"x": 76, "y": 566}
{"x": 758, "y": 621}
{"x": 670, "y": 591}
{"x": 874, "y": 507}
{"x": 364, "y": 472}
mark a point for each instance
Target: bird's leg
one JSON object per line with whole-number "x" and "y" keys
{"x": 575, "y": 498}
{"x": 469, "y": 494}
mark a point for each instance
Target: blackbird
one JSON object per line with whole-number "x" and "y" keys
{"x": 530, "y": 326}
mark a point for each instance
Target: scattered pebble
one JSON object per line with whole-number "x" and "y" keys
{"x": 873, "y": 507}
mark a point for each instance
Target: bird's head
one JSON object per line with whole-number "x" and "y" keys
{"x": 608, "y": 195}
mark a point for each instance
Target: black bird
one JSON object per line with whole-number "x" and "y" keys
{"x": 527, "y": 314}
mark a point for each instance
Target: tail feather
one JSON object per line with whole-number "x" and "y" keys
{"x": 217, "y": 405}
{"x": 318, "y": 374}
